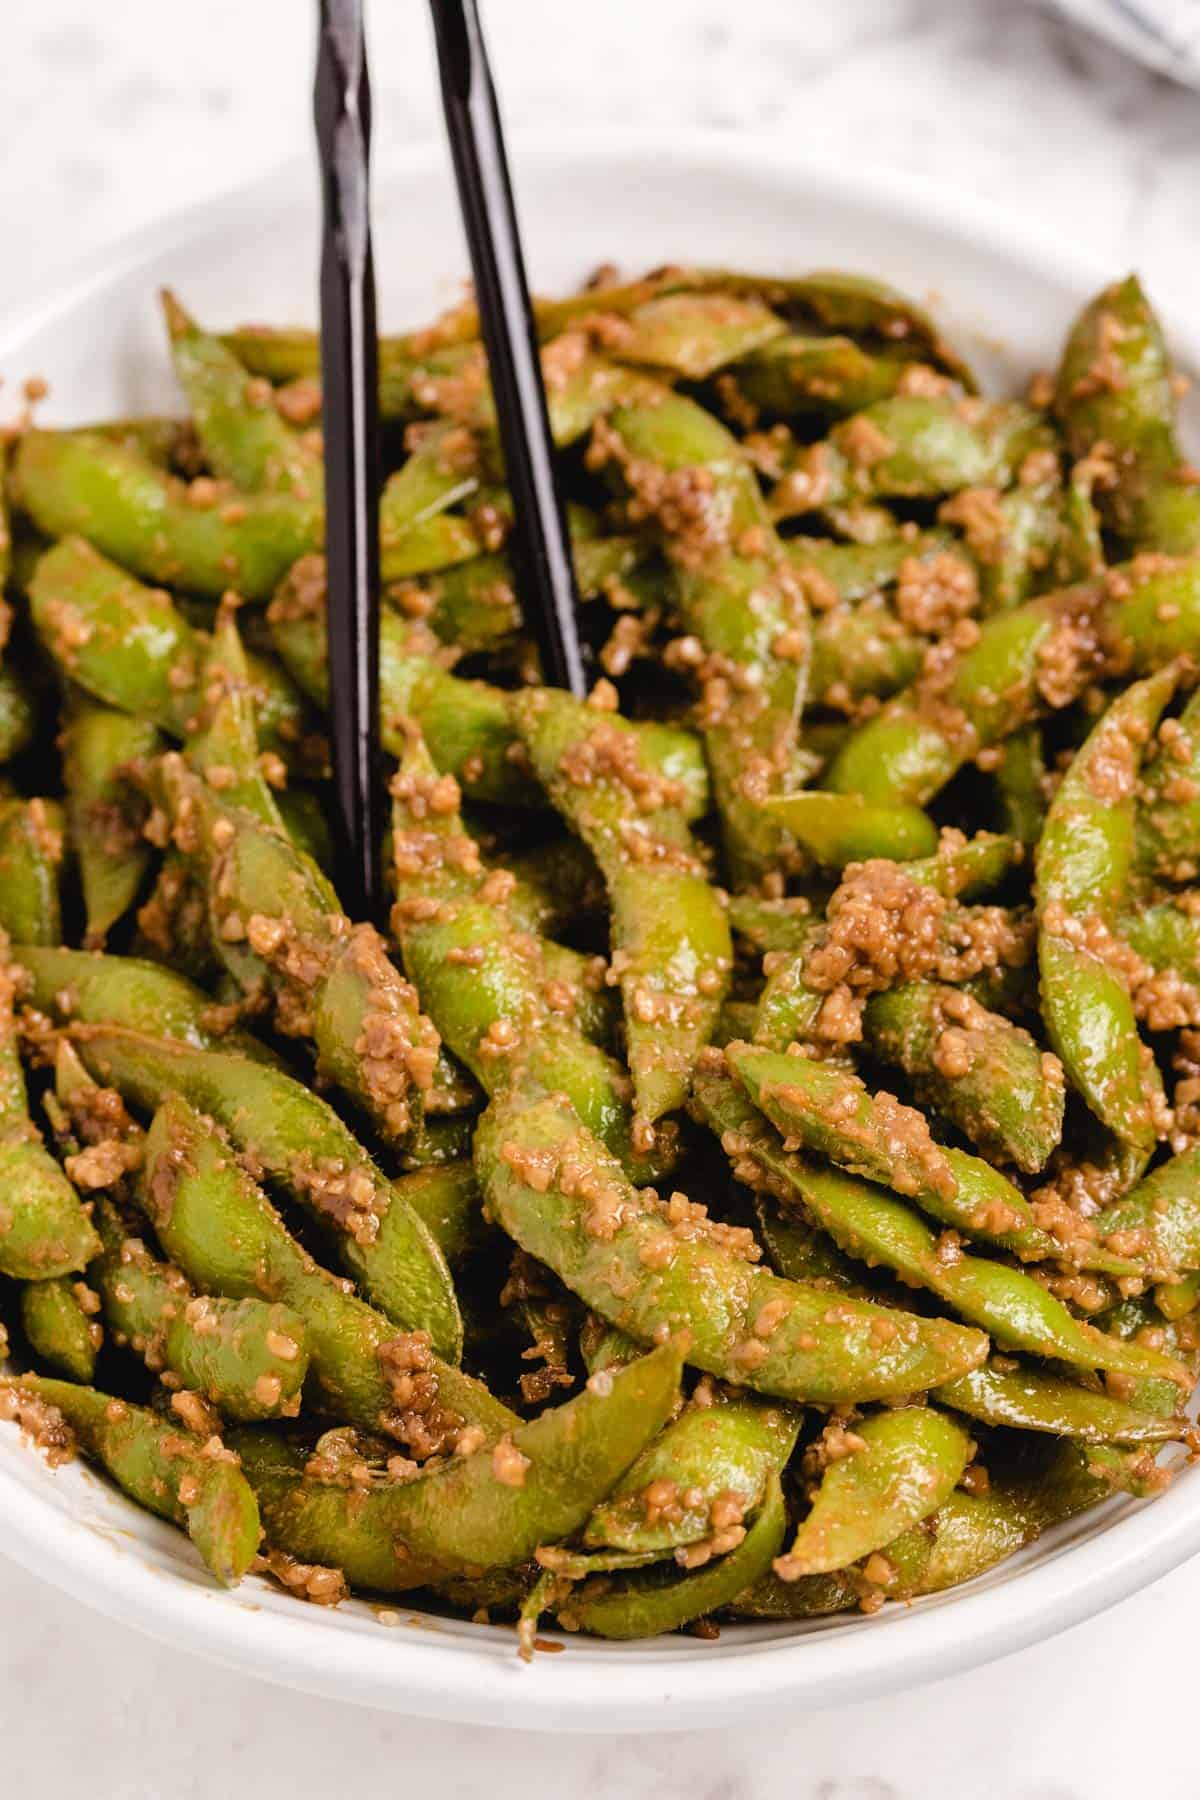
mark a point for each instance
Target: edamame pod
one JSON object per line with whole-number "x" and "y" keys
{"x": 1166, "y": 937}
{"x": 1016, "y": 537}
{"x": 963, "y": 868}
{"x": 205, "y": 536}
{"x": 1159, "y": 1221}
{"x": 795, "y": 376}
{"x": 867, "y": 1223}
{"x": 248, "y": 1357}
{"x": 891, "y": 1471}
{"x": 89, "y": 988}
{"x": 694, "y": 335}
{"x": 102, "y": 748}
{"x": 969, "y": 1534}
{"x": 914, "y": 446}
{"x": 862, "y": 652}
{"x": 490, "y": 995}
{"x": 1167, "y": 824}
{"x": 131, "y": 647}
{"x": 1114, "y": 390}
{"x": 646, "y": 1605}
{"x": 417, "y": 529}
{"x": 737, "y": 596}
{"x": 833, "y": 299}
{"x": 220, "y": 1228}
{"x": 798, "y": 1250}
{"x": 781, "y": 925}
{"x": 31, "y": 854}
{"x": 1021, "y": 785}
{"x": 555, "y": 1189}
{"x": 473, "y": 605}
{"x": 243, "y": 435}
{"x": 815, "y": 993}
{"x": 44, "y": 1228}
{"x": 1038, "y": 657}
{"x": 58, "y": 1318}
{"x": 857, "y": 572}
{"x": 974, "y": 1067}
{"x": 487, "y": 1510}
{"x": 1032, "y": 1399}
{"x": 1083, "y": 863}
{"x": 837, "y": 829}
{"x": 976, "y": 1531}
{"x": 707, "y": 1470}
{"x": 670, "y": 936}
{"x": 449, "y": 1202}
{"x": 299, "y": 1143}
{"x": 159, "y": 1465}
{"x": 279, "y": 929}
{"x": 1008, "y": 1303}
{"x": 972, "y": 1197}
{"x": 834, "y": 1113}
{"x": 223, "y": 744}
{"x": 467, "y": 724}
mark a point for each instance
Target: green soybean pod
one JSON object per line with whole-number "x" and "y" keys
{"x": 900, "y": 1466}
{"x": 739, "y": 596}
{"x": 1028, "y": 1398}
{"x": 301, "y": 1144}
{"x": 974, "y": 1067}
{"x": 44, "y": 1228}
{"x": 670, "y": 935}
{"x": 248, "y": 1357}
{"x": 1083, "y": 866}
{"x": 1021, "y": 785}
{"x": 1114, "y": 387}
{"x": 31, "y": 853}
{"x": 1140, "y": 615}
{"x": 487, "y": 1510}
{"x": 868, "y": 1223}
{"x": 694, "y": 335}
{"x": 58, "y": 1318}
{"x": 724, "y": 1450}
{"x": 532, "y": 1156}
{"x": 1167, "y": 826}
{"x": 223, "y": 1232}
{"x": 837, "y": 829}
{"x": 89, "y": 987}
{"x": 1160, "y": 1219}
{"x": 244, "y": 437}
{"x": 832, "y": 1112}
{"x": 80, "y": 484}
{"x": 132, "y": 647}
{"x": 914, "y": 446}
{"x": 102, "y": 748}
{"x": 649, "y": 1604}
{"x": 156, "y": 1463}
{"x": 796, "y": 376}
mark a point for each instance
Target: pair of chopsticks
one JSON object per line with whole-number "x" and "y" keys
{"x": 350, "y": 399}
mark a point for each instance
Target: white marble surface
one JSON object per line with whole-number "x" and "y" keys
{"x": 111, "y": 116}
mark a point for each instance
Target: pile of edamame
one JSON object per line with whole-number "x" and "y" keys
{"x": 754, "y": 1171}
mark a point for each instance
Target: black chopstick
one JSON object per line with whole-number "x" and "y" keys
{"x": 350, "y": 422}
{"x": 541, "y": 548}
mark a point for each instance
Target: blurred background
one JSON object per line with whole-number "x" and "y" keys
{"x": 115, "y": 115}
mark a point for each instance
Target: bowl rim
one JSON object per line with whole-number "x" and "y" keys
{"x": 620, "y": 1689}
{"x": 986, "y": 224}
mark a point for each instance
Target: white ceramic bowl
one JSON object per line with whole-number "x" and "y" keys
{"x": 641, "y": 200}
